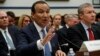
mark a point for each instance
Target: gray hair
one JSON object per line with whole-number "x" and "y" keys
{"x": 82, "y": 6}
{"x": 70, "y": 16}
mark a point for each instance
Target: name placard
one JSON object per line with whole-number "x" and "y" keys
{"x": 90, "y": 46}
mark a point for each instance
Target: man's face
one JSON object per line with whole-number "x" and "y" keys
{"x": 4, "y": 21}
{"x": 41, "y": 15}
{"x": 72, "y": 22}
{"x": 11, "y": 20}
{"x": 88, "y": 15}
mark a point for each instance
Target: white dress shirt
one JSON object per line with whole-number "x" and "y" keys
{"x": 85, "y": 27}
{"x": 67, "y": 26}
{"x": 40, "y": 46}
{"x": 2, "y": 31}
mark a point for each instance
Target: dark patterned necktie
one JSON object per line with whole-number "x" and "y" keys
{"x": 46, "y": 49}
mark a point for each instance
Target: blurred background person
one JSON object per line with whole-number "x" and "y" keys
{"x": 98, "y": 17}
{"x": 97, "y": 21}
{"x": 70, "y": 21}
{"x": 23, "y": 21}
{"x": 11, "y": 17}
{"x": 57, "y": 21}
{"x": 49, "y": 25}
{"x": 8, "y": 36}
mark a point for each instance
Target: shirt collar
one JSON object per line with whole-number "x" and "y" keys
{"x": 84, "y": 25}
{"x": 4, "y": 29}
{"x": 67, "y": 26}
{"x": 38, "y": 27}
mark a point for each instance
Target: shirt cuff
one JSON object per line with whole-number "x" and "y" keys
{"x": 39, "y": 45}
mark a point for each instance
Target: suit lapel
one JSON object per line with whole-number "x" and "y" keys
{"x": 2, "y": 38}
{"x": 34, "y": 31}
{"x": 11, "y": 32}
{"x": 3, "y": 41}
{"x": 94, "y": 32}
{"x": 82, "y": 31}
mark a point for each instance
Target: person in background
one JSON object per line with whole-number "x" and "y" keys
{"x": 70, "y": 21}
{"x": 11, "y": 17}
{"x": 50, "y": 22}
{"x": 84, "y": 31}
{"x": 57, "y": 21}
{"x": 23, "y": 21}
{"x": 97, "y": 23}
{"x": 36, "y": 39}
{"x": 8, "y": 36}
{"x": 98, "y": 17}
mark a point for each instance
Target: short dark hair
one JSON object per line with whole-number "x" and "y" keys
{"x": 34, "y": 4}
{"x": 11, "y": 14}
{"x": 98, "y": 15}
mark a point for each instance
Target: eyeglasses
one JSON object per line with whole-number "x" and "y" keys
{"x": 3, "y": 17}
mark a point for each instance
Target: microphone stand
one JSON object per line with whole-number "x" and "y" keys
{"x": 69, "y": 42}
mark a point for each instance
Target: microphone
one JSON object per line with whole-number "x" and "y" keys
{"x": 64, "y": 37}
{"x": 71, "y": 42}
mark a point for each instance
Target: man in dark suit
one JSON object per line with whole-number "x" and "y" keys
{"x": 8, "y": 36}
{"x": 81, "y": 32}
{"x": 62, "y": 36}
{"x": 70, "y": 21}
{"x": 33, "y": 41}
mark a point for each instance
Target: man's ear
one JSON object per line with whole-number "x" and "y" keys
{"x": 80, "y": 16}
{"x": 32, "y": 14}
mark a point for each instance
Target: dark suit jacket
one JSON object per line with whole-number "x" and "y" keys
{"x": 27, "y": 44}
{"x": 98, "y": 23}
{"x": 77, "y": 34}
{"x": 62, "y": 38}
{"x": 3, "y": 45}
